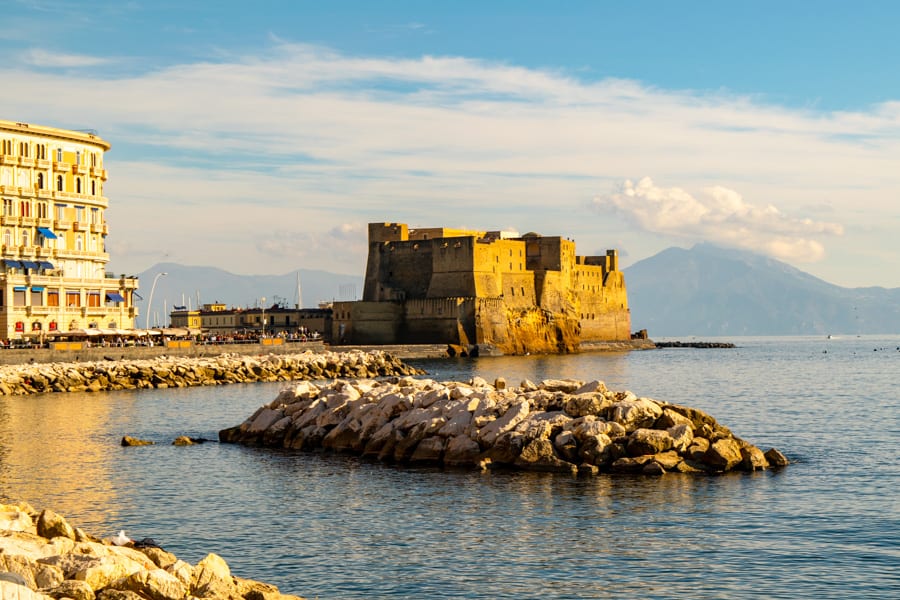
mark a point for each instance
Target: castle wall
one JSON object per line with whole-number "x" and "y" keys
{"x": 447, "y": 319}
{"x": 366, "y": 322}
{"x": 452, "y": 271}
{"x": 398, "y": 270}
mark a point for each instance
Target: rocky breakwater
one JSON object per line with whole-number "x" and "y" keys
{"x": 42, "y": 556}
{"x": 557, "y": 425}
{"x": 182, "y": 371}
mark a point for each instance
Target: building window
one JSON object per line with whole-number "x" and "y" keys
{"x": 60, "y": 212}
{"x": 79, "y": 243}
{"x": 59, "y": 183}
{"x": 7, "y": 238}
{"x": 93, "y": 298}
{"x": 20, "y": 326}
{"x": 78, "y": 185}
{"x": 52, "y": 326}
{"x": 93, "y": 188}
{"x": 52, "y": 299}
{"x": 40, "y": 181}
{"x": 37, "y": 297}
{"x": 78, "y": 157}
{"x": 73, "y": 299}
{"x": 93, "y": 159}
{"x": 19, "y": 297}
{"x": 79, "y": 213}
{"x": 25, "y": 238}
{"x": 59, "y": 155}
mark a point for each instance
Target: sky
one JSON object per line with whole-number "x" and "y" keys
{"x": 262, "y": 137}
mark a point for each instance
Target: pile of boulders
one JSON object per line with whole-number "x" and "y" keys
{"x": 165, "y": 372}
{"x": 43, "y": 556}
{"x": 557, "y": 425}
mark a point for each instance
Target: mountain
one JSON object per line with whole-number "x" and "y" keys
{"x": 181, "y": 285}
{"x": 709, "y": 290}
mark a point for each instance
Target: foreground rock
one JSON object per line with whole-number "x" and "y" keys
{"x": 558, "y": 425}
{"x": 42, "y": 556}
{"x": 166, "y": 372}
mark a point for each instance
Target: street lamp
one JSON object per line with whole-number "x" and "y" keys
{"x": 150, "y": 301}
{"x": 263, "y": 302}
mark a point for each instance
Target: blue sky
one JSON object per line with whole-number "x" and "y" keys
{"x": 262, "y": 137}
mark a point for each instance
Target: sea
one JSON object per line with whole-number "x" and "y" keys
{"x": 333, "y": 526}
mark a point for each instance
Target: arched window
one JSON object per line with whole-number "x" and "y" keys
{"x": 25, "y": 238}
{"x": 59, "y": 183}
{"x": 7, "y": 238}
{"x": 40, "y": 181}
{"x": 78, "y": 185}
{"x": 79, "y": 242}
{"x": 93, "y": 188}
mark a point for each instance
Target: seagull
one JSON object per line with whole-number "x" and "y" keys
{"x": 121, "y": 539}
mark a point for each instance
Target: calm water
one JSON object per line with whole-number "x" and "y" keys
{"x": 330, "y": 526}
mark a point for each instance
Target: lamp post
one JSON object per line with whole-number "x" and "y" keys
{"x": 263, "y": 302}
{"x": 150, "y": 301}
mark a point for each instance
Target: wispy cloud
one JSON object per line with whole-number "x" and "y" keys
{"x": 721, "y": 215}
{"x": 311, "y": 138}
{"x": 37, "y": 57}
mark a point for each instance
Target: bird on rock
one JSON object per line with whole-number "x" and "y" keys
{"x": 121, "y": 539}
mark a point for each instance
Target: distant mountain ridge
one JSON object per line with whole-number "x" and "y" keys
{"x": 182, "y": 283}
{"x": 708, "y": 290}
{"x": 704, "y": 290}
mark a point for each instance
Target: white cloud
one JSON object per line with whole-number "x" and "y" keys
{"x": 301, "y": 139}
{"x": 720, "y": 215}
{"x": 37, "y": 57}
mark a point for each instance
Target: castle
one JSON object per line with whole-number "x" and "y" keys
{"x": 483, "y": 289}
{"x": 53, "y": 231}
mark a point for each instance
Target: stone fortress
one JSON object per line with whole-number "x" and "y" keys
{"x": 483, "y": 291}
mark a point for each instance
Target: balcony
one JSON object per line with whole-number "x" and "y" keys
{"x": 27, "y": 192}
{"x": 61, "y": 225}
{"x": 78, "y": 170}
{"x": 81, "y": 226}
{"x": 42, "y": 164}
{"x": 6, "y": 159}
{"x": 61, "y": 167}
{"x": 45, "y": 194}
{"x": 29, "y": 221}
{"x": 44, "y": 222}
{"x": 26, "y": 251}
{"x": 45, "y": 252}
{"x": 9, "y": 220}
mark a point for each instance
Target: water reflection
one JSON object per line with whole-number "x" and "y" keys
{"x": 55, "y": 446}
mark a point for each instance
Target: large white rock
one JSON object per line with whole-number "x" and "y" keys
{"x": 488, "y": 434}
{"x": 635, "y": 414}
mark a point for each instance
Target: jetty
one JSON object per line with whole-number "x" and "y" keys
{"x": 186, "y": 371}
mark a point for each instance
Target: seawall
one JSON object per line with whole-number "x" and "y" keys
{"x": 182, "y": 371}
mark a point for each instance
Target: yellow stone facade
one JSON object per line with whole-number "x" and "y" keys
{"x": 53, "y": 232}
{"x": 519, "y": 294}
